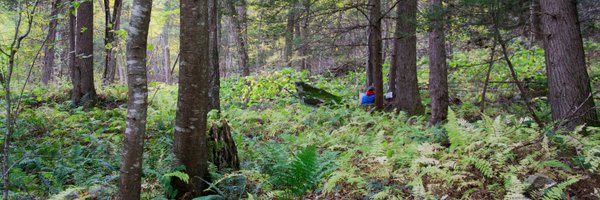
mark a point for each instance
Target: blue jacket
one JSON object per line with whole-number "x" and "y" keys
{"x": 367, "y": 100}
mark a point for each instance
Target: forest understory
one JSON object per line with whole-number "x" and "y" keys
{"x": 299, "y": 99}
{"x": 288, "y": 149}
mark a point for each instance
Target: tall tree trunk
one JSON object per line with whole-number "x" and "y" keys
{"x": 137, "y": 103}
{"x": 72, "y": 36}
{"x": 84, "y": 92}
{"x": 393, "y": 75}
{"x": 238, "y": 18}
{"x": 438, "y": 71}
{"x": 189, "y": 144}
{"x": 535, "y": 25}
{"x": 110, "y": 40}
{"x": 214, "y": 73}
{"x": 304, "y": 34}
{"x": 570, "y": 96}
{"x": 375, "y": 57}
{"x": 49, "y": 50}
{"x": 166, "y": 52}
{"x": 407, "y": 97}
{"x": 288, "y": 50}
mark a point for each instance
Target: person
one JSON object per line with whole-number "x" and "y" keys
{"x": 369, "y": 97}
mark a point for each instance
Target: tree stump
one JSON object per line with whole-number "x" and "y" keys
{"x": 222, "y": 149}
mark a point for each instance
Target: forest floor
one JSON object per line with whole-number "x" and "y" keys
{"x": 289, "y": 150}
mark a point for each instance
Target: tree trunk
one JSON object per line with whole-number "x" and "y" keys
{"x": 238, "y": 18}
{"x": 289, "y": 33}
{"x": 189, "y": 143}
{"x": 304, "y": 34}
{"x": 110, "y": 40}
{"x": 570, "y": 96}
{"x": 214, "y": 73}
{"x": 393, "y": 75}
{"x": 166, "y": 52}
{"x": 82, "y": 78}
{"x": 375, "y": 57}
{"x": 438, "y": 71}
{"x": 407, "y": 97}
{"x": 49, "y": 50}
{"x": 535, "y": 25}
{"x": 137, "y": 103}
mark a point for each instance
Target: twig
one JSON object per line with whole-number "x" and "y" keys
{"x": 28, "y": 77}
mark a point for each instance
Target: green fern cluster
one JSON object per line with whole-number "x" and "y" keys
{"x": 303, "y": 172}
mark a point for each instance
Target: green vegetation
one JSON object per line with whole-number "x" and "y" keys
{"x": 289, "y": 150}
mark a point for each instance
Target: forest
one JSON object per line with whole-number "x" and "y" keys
{"x": 299, "y": 99}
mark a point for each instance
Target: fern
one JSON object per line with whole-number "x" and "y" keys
{"x": 302, "y": 173}
{"x": 514, "y": 188}
{"x": 180, "y": 175}
{"x": 482, "y": 165}
{"x": 454, "y": 135}
{"x": 557, "y": 192}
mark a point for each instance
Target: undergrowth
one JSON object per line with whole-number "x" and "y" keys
{"x": 289, "y": 150}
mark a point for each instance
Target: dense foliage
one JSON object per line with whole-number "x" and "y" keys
{"x": 288, "y": 149}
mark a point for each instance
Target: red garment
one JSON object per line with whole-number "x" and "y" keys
{"x": 370, "y": 93}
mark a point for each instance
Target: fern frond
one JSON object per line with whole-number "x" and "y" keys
{"x": 557, "y": 192}
{"x": 457, "y": 139}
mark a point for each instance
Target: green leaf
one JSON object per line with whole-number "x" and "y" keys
{"x": 454, "y": 135}
{"x": 181, "y": 175}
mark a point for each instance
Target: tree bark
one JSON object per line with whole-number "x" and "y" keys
{"x": 82, "y": 78}
{"x": 72, "y": 36}
{"x": 438, "y": 70}
{"x": 189, "y": 144}
{"x": 214, "y": 72}
{"x": 570, "y": 95}
{"x": 535, "y": 25}
{"x": 407, "y": 97}
{"x": 304, "y": 34}
{"x": 110, "y": 40}
{"x": 393, "y": 75}
{"x": 137, "y": 103}
{"x": 375, "y": 57}
{"x": 288, "y": 50}
{"x": 166, "y": 52}
{"x": 238, "y": 18}
{"x": 49, "y": 50}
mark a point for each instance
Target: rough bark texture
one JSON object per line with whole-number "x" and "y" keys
{"x": 238, "y": 18}
{"x": 214, "y": 72}
{"x": 568, "y": 80}
{"x": 110, "y": 40}
{"x": 137, "y": 103}
{"x": 375, "y": 45}
{"x": 407, "y": 91}
{"x": 189, "y": 144}
{"x": 72, "y": 36}
{"x": 222, "y": 148}
{"x": 49, "y": 50}
{"x": 438, "y": 71}
{"x": 535, "y": 25}
{"x": 82, "y": 78}
{"x": 393, "y": 75}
